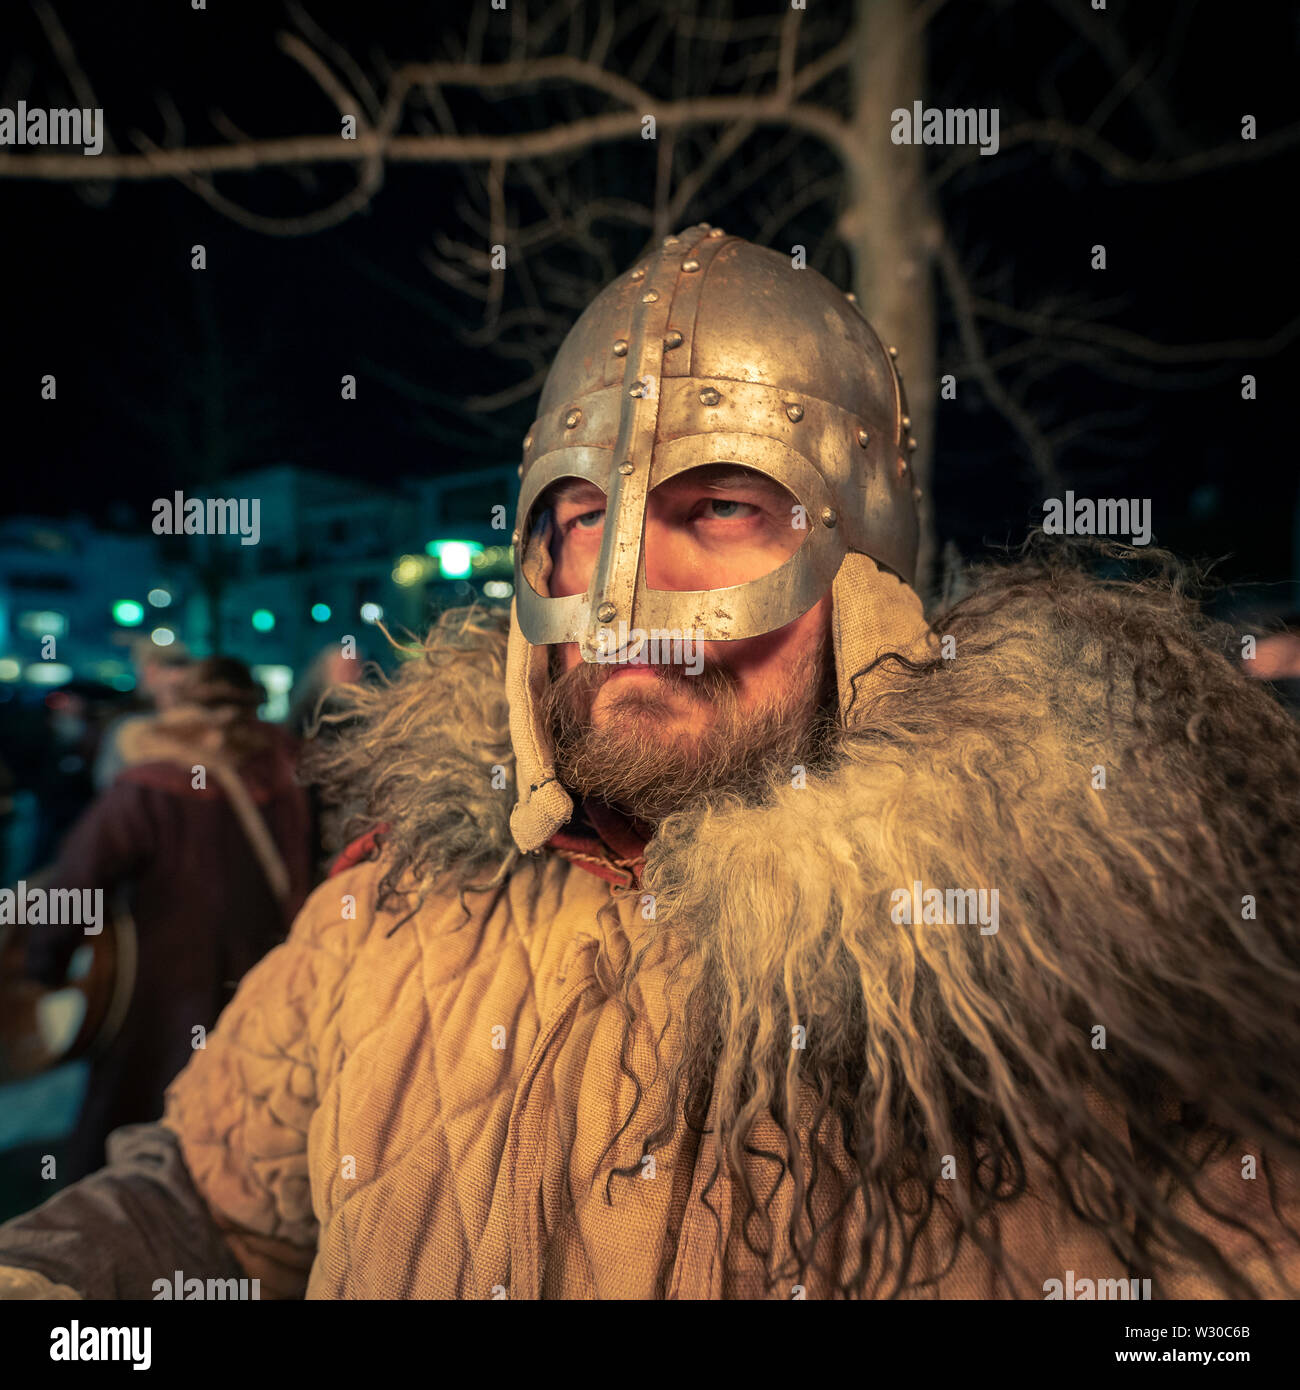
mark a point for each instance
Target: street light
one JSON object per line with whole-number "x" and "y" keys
{"x": 455, "y": 558}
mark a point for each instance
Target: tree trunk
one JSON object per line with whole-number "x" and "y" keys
{"x": 889, "y": 227}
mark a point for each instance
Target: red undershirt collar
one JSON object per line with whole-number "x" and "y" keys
{"x": 605, "y": 841}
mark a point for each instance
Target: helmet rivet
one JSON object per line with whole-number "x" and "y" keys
{"x": 572, "y": 418}
{"x": 528, "y": 441}
{"x": 639, "y": 389}
{"x": 672, "y": 339}
{"x": 605, "y": 613}
{"x": 626, "y": 467}
{"x": 911, "y": 443}
{"x": 795, "y": 411}
{"x": 851, "y": 297}
{"x": 893, "y": 352}
{"x": 709, "y": 396}
{"x": 690, "y": 264}
{"x": 828, "y": 516}
{"x": 514, "y": 538}
{"x": 864, "y": 438}
{"x": 916, "y": 493}
{"x": 519, "y": 472}
{"x": 716, "y": 232}
{"x": 903, "y": 466}
{"x": 650, "y": 297}
{"x": 907, "y": 422}
{"x": 638, "y": 273}
{"x": 620, "y": 347}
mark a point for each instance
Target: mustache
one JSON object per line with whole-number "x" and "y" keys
{"x": 588, "y": 678}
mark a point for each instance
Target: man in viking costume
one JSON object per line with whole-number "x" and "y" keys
{"x": 724, "y": 929}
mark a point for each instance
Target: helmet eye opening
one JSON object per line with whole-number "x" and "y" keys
{"x": 720, "y": 524}
{"x": 557, "y": 511}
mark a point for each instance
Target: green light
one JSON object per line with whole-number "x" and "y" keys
{"x": 321, "y": 612}
{"x": 128, "y": 612}
{"x": 455, "y": 558}
{"x": 263, "y": 619}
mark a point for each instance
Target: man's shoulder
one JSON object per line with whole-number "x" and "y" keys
{"x": 342, "y": 911}
{"x": 367, "y": 894}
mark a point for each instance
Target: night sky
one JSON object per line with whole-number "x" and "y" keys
{"x": 103, "y": 295}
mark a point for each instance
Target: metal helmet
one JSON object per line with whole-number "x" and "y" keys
{"x": 716, "y": 351}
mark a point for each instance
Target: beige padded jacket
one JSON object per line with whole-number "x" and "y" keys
{"x": 419, "y": 1115}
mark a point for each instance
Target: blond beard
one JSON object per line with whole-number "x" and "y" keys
{"x": 650, "y": 771}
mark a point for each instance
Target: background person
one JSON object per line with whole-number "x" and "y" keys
{"x": 207, "y": 831}
{"x": 158, "y": 674}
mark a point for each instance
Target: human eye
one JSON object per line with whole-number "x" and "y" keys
{"x": 577, "y": 509}
{"x": 726, "y": 509}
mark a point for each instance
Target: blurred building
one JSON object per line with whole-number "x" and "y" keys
{"x": 332, "y": 558}
{"x": 74, "y": 596}
{"x": 336, "y": 557}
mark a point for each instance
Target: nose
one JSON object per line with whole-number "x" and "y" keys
{"x": 670, "y": 561}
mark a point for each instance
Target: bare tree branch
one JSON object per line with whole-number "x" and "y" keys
{"x": 1040, "y": 449}
{"x": 155, "y": 163}
{"x": 67, "y": 57}
{"x": 314, "y": 65}
{"x": 97, "y": 193}
{"x": 1136, "y": 344}
{"x": 519, "y": 392}
{"x": 1063, "y": 136}
{"x": 1128, "y": 74}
